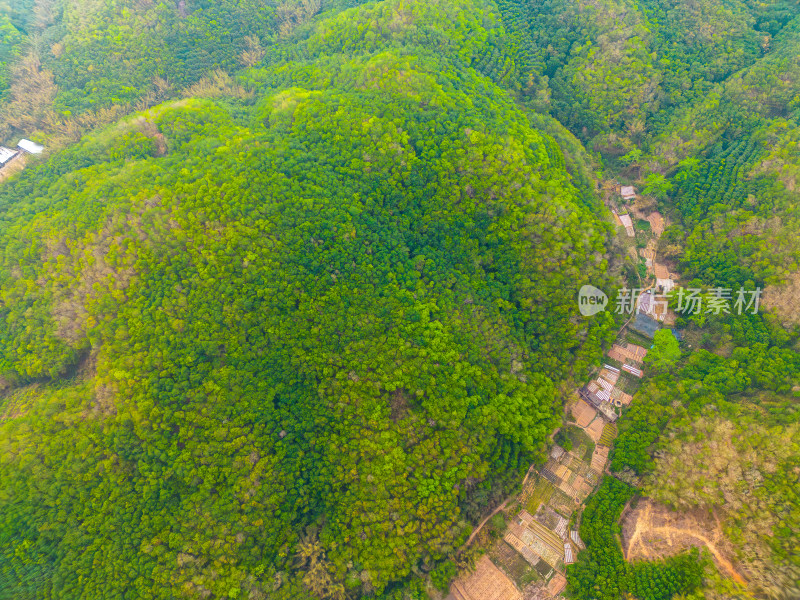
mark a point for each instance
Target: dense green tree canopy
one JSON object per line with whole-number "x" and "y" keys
{"x": 291, "y": 299}
{"x": 309, "y": 324}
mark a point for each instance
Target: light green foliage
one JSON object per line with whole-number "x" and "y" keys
{"x": 10, "y": 43}
{"x": 113, "y": 51}
{"x": 327, "y": 323}
{"x": 657, "y": 185}
{"x": 665, "y": 350}
{"x": 90, "y": 61}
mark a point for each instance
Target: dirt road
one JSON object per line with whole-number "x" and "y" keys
{"x": 496, "y": 510}
{"x": 654, "y": 537}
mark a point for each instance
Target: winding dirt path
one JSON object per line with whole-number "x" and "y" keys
{"x": 637, "y": 547}
{"x": 636, "y": 537}
{"x": 497, "y": 510}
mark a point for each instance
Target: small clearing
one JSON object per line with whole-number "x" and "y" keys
{"x": 784, "y": 300}
{"x": 651, "y": 531}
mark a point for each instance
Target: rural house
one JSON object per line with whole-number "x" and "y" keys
{"x": 30, "y": 147}
{"x": 664, "y": 280}
{"x": 7, "y": 155}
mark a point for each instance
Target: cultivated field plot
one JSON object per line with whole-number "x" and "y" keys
{"x": 609, "y": 433}
{"x": 583, "y": 413}
{"x": 513, "y": 565}
{"x": 541, "y": 492}
{"x": 485, "y": 582}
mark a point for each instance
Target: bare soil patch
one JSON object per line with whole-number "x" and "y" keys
{"x": 651, "y": 531}
{"x": 784, "y": 300}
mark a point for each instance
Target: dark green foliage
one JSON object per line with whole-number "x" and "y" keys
{"x": 563, "y": 440}
{"x": 721, "y": 196}
{"x": 442, "y": 575}
{"x": 609, "y": 65}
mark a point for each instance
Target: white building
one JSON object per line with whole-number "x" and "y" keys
{"x": 628, "y": 192}
{"x": 30, "y": 147}
{"x": 6, "y": 156}
{"x": 663, "y": 279}
{"x": 627, "y": 223}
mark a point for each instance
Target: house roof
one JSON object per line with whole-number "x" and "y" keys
{"x": 568, "y": 558}
{"x": 583, "y": 413}
{"x": 627, "y": 352}
{"x": 610, "y": 376}
{"x": 627, "y": 191}
{"x": 30, "y": 146}
{"x": 626, "y": 220}
{"x": 645, "y": 325}
{"x": 636, "y": 352}
{"x": 606, "y": 385}
{"x": 633, "y": 370}
{"x": 6, "y": 154}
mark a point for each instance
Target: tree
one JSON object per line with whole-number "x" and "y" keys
{"x": 665, "y": 351}
{"x": 657, "y": 185}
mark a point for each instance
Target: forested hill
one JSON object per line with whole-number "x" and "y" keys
{"x": 698, "y": 103}
{"x": 288, "y": 303}
{"x": 67, "y": 66}
{"x": 288, "y": 339}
